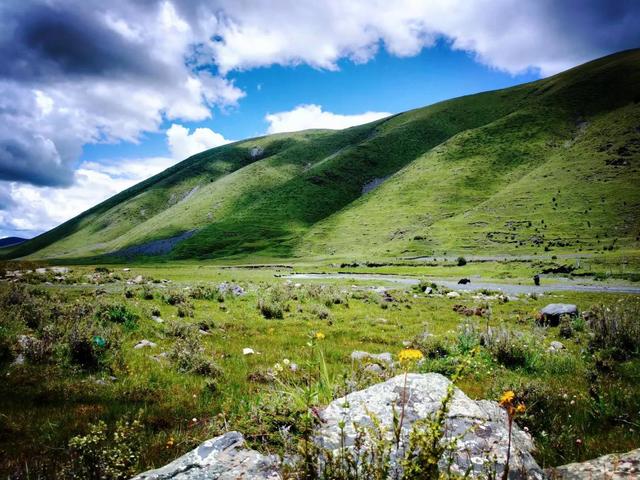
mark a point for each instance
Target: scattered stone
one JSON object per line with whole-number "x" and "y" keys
{"x": 360, "y": 356}
{"x": 453, "y": 295}
{"x": 144, "y": 343}
{"x": 137, "y": 280}
{"x": 556, "y": 346}
{"x": 373, "y": 368}
{"x": 157, "y": 319}
{"x": 481, "y": 426}
{"x": 221, "y": 458}
{"x": 126, "y": 269}
{"x": 428, "y": 291}
{"x": 233, "y": 289}
{"x": 248, "y": 351}
{"x": 19, "y": 360}
{"x": 550, "y": 315}
{"x": 60, "y": 270}
{"x": 616, "y": 466}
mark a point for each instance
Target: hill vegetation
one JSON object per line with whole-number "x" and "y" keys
{"x": 551, "y": 165}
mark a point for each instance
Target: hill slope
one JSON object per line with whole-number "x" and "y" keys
{"x": 553, "y": 163}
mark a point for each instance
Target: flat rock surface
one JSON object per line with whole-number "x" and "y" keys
{"x": 616, "y": 466}
{"x": 221, "y": 458}
{"x": 481, "y": 426}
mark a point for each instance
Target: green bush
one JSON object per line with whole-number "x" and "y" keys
{"x": 189, "y": 356}
{"x": 118, "y": 313}
{"x": 105, "y": 455}
{"x": 92, "y": 346}
{"x": 616, "y": 329}
{"x": 271, "y": 308}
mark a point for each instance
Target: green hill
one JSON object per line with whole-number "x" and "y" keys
{"x": 552, "y": 164}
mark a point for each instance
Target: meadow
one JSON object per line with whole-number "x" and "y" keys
{"x": 79, "y": 400}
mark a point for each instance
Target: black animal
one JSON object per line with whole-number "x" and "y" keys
{"x": 536, "y": 280}
{"x": 463, "y": 281}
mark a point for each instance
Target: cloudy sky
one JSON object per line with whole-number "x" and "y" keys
{"x": 97, "y": 95}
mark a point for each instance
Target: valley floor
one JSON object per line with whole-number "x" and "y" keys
{"x": 184, "y": 352}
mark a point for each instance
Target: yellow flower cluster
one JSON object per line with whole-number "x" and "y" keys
{"x": 507, "y": 401}
{"x": 409, "y": 355}
{"x": 320, "y": 336}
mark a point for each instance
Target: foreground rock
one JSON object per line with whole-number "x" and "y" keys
{"x": 550, "y": 315}
{"x": 221, "y": 458}
{"x": 611, "y": 467}
{"x": 480, "y": 425}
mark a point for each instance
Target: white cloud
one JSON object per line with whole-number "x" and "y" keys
{"x": 312, "y": 116}
{"x": 33, "y": 209}
{"x": 182, "y": 144}
{"x": 511, "y": 35}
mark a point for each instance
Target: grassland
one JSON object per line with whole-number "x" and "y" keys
{"x": 549, "y": 166}
{"x": 203, "y": 385}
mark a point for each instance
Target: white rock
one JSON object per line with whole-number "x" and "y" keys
{"x": 453, "y": 295}
{"x": 144, "y": 343}
{"x": 248, "y": 351}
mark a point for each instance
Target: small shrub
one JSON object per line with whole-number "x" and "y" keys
{"x": 117, "y": 313}
{"x": 565, "y": 328}
{"x": 616, "y": 329}
{"x": 147, "y": 293}
{"x": 203, "y": 292}
{"x": 185, "y": 310}
{"x": 91, "y": 346}
{"x": 175, "y": 298}
{"x": 128, "y": 293}
{"x": 101, "y": 454}
{"x": 271, "y": 308}
{"x": 509, "y": 349}
{"x": 189, "y": 356}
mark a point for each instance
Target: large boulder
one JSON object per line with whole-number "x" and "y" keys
{"x": 481, "y": 426}
{"x": 550, "y": 315}
{"x": 221, "y": 458}
{"x": 611, "y": 467}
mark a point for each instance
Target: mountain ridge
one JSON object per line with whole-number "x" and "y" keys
{"x": 546, "y": 165}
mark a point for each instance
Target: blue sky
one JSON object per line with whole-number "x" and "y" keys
{"x": 385, "y": 84}
{"x": 96, "y": 96}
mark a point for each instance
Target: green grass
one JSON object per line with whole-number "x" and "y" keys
{"x": 65, "y": 398}
{"x": 548, "y": 166}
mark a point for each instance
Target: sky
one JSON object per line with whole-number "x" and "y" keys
{"x": 96, "y": 96}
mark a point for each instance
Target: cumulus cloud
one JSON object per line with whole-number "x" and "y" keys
{"x": 312, "y": 116}
{"x": 27, "y": 210}
{"x": 511, "y": 35}
{"x": 86, "y": 72}
{"x": 183, "y": 144}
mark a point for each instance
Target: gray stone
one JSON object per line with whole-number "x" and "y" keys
{"x": 481, "y": 427}
{"x": 235, "y": 290}
{"x": 360, "y": 356}
{"x": 550, "y": 315}
{"x": 221, "y": 458}
{"x": 610, "y": 467}
{"x": 144, "y": 343}
{"x": 453, "y": 295}
{"x": 556, "y": 346}
{"x": 373, "y": 368}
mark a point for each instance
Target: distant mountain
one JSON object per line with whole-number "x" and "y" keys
{"x": 548, "y": 165}
{"x": 10, "y": 241}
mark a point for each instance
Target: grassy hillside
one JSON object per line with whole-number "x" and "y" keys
{"x": 550, "y": 165}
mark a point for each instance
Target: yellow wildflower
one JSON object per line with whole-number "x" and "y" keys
{"x": 521, "y": 408}
{"x": 409, "y": 355}
{"x": 319, "y": 336}
{"x": 507, "y": 397}
{"x": 170, "y": 442}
